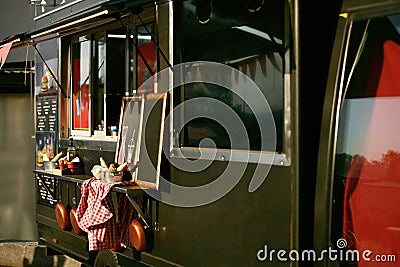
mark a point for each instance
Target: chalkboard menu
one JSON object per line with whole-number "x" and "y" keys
{"x": 46, "y": 126}
{"x": 140, "y": 137}
{"x": 150, "y": 148}
{"x": 46, "y": 112}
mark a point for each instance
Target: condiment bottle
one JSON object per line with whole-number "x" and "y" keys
{"x": 71, "y": 150}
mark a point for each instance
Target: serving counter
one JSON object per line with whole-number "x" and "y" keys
{"x": 49, "y": 192}
{"x": 53, "y": 189}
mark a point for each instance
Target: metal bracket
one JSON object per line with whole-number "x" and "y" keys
{"x": 138, "y": 209}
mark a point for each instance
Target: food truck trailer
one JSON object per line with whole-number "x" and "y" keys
{"x": 216, "y": 133}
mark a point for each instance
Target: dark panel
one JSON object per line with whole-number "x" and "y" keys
{"x": 230, "y": 231}
{"x": 315, "y": 51}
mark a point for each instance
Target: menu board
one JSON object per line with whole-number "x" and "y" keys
{"x": 46, "y": 193}
{"x": 46, "y": 112}
{"x": 150, "y": 146}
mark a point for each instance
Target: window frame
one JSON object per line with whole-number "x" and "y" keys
{"x": 282, "y": 158}
{"x": 130, "y": 81}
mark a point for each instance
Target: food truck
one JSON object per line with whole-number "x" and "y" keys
{"x": 215, "y": 133}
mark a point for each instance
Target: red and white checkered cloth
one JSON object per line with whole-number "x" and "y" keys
{"x": 95, "y": 215}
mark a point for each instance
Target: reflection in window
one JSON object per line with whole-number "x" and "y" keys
{"x": 251, "y": 42}
{"x": 367, "y": 169}
{"x": 116, "y": 76}
{"x": 98, "y": 92}
{"x": 146, "y": 61}
{"x": 81, "y": 85}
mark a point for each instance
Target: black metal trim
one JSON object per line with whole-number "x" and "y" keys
{"x": 155, "y": 41}
{"x": 137, "y": 48}
{"x": 115, "y": 10}
{"x": 326, "y": 160}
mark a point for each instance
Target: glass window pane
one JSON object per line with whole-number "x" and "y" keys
{"x": 116, "y": 77}
{"x": 146, "y": 61}
{"x": 367, "y": 168}
{"x": 98, "y": 92}
{"x": 251, "y": 42}
{"x": 81, "y": 86}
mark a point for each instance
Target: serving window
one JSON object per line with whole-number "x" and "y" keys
{"x": 98, "y": 83}
{"x": 255, "y": 43}
{"x": 106, "y": 64}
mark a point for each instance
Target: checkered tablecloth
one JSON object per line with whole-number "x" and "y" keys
{"x": 96, "y": 216}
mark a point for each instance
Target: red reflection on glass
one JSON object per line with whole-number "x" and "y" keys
{"x": 371, "y": 217}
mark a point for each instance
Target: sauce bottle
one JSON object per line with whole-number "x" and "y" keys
{"x": 71, "y": 150}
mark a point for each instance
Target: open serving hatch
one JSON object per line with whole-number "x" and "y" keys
{"x": 140, "y": 137}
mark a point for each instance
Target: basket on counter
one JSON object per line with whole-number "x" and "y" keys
{"x": 112, "y": 176}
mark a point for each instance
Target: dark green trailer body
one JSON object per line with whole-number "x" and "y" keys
{"x": 276, "y": 222}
